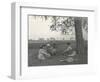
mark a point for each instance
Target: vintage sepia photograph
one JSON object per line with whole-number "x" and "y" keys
{"x": 57, "y": 40}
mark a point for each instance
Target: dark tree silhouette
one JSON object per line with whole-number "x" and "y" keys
{"x": 79, "y": 38}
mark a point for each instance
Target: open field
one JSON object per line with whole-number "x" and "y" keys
{"x": 33, "y": 48}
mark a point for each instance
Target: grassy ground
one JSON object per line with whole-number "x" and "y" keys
{"x": 54, "y": 60}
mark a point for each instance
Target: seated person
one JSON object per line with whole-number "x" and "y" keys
{"x": 68, "y": 50}
{"x": 54, "y": 48}
{"x": 43, "y": 53}
{"x": 51, "y": 49}
{"x": 70, "y": 53}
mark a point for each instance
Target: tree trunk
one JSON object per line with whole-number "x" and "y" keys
{"x": 79, "y": 39}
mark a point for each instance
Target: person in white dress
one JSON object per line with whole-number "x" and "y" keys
{"x": 42, "y": 54}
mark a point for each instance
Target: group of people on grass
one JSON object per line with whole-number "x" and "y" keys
{"x": 48, "y": 50}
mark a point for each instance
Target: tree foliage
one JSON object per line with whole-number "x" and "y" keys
{"x": 62, "y": 24}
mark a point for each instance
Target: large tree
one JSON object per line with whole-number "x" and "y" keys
{"x": 79, "y": 37}
{"x": 66, "y": 26}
